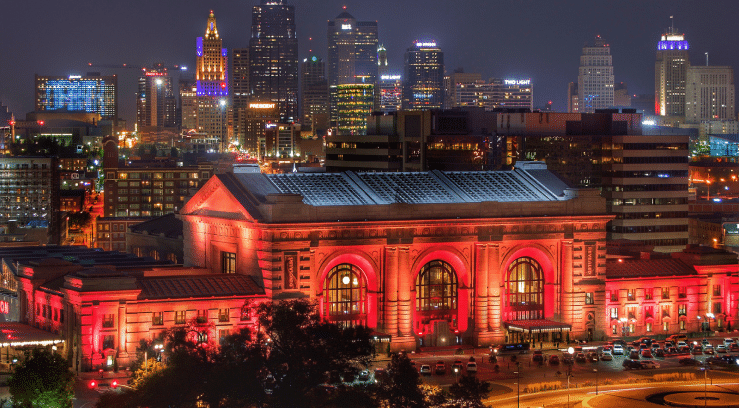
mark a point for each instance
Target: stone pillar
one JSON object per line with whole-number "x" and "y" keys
{"x": 122, "y": 339}
{"x": 566, "y": 274}
{"x": 496, "y": 293}
{"x": 391, "y": 291}
{"x": 405, "y": 339}
{"x": 482, "y": 332}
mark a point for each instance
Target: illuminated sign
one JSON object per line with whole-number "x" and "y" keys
{"x": 4, "y": 307}
{"x": 262, "y": 105}
{"x": 155, "y": 74}
{"x": 346, "y": 26}
{"x": 389, "y": 77}
{"x": 75, "y": 76}
{"x": 517, "y": 81}
{"x": 425, "y": 44}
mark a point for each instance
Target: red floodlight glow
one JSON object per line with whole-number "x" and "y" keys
{"x": 114, "y": 384}
{"x": 93, "y": 384}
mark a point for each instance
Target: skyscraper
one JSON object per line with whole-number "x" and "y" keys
{"x": 212, "y": 83}
{"x": 352, "y": 55}
{"x": 595, "y": 80}
{"x": 314, "y": 93}
{"x": 709, "y": 94}
{"x": 423, "y": 82}
{"x": 382, "y": 68}
{"x": 156, "y": 106}
{"x": 273, "y": 56}
{"x": 355, "y": 103}
{"x": 91, "y": 93}
{"x": 670, "y": 73}
{"x": 240, "y": 89}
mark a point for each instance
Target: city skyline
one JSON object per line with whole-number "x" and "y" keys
{"x": 532, "y": 39}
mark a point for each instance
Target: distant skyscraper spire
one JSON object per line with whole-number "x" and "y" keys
{"x": 211, "y": 87}
{"x": 670, "y": 73}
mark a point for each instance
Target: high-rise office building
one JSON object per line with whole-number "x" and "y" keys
{"x": 621, "y": 95}
{"x": 314, "y": 93}
{"x": 188, "y": 104}
{"x": 156, "y": 107}
{"x": 709, "y": 94}
{"x": 273, "y": 56}
{"x": 355, "y": 103}
{"x": 595, "y": 80}
{"x": 352, "y": 55}
{"x": 212, "y": 84}
{"x": 573, "y": 99}
{"x": 91, "y": 93}
{"x": 670, "y": 74}
{"x": 391, "y": 92}
{"x": 451, "y": 82}
{"x": 382, "y": 68}
{"x": 423, "y": 82}
{"x": 240, "y": 89}
{"x": 495, "y": 94}
{"x": 253, "y": 121}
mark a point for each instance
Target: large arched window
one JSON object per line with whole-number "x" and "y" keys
{"x": 346, "y": 296}
{"x": 525, "y": 290}
{"x": 436, "y": 292}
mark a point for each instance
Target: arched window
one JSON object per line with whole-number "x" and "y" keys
{"x": 436, "y": 292}
{"x": 346, "y": 296}
{"x": 525, "y": 290}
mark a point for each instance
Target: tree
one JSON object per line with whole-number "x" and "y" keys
{"x": 469, "y": 392}
{"x": 79, "y": 219}
{"x": 43, "y": 379}
{"x": 402, "y": 388}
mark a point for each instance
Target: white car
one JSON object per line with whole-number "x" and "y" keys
{"x": 647, "y": 364}
{"x": 606, "y": 356}
{"x": 618, "y": 350}
{"x": 471, "y": 367}
{"x": 721, "y": 348}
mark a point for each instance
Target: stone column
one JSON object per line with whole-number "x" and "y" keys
{"x": 481, "y": 293}
{"x": 391, "y": 291}
{"x": 495, "y": 293}
{"x": 566, "y": 274}
{"x": 122, "y": 340}
{"x": 405, "y": 317}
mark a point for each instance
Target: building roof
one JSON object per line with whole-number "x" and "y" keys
{"x": 530, "y": 182}
{"x": 174, "y": 287}
{"x": 167, "y": 225}
{"x": 19, "y": 334}
{"x": 647, "y": 268}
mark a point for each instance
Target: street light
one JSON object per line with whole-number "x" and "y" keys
{"x": 456, "y": 372}
{"x": 596, "y": 380}
{"x": 518, "y": 384}
{"x": 571, "y": 351}
{"x": 709, "y": 316}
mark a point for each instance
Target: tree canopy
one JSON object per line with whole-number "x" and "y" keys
{"x": 42, "y": 379}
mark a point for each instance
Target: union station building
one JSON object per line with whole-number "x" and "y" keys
{"x": 426, "y": 259}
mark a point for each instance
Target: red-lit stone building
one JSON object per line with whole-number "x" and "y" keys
{"x": 430, "y": 258}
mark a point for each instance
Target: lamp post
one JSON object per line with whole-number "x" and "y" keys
{"x": 456, "y": 372}
{"x": 571, "y": 351}
{"x": 596, "y": 380}
{"x": 709, "y": 316}
{"x": 518, "y": 385}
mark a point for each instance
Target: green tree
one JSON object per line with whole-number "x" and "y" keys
{"x": 469, "y": 392}
{"x": 79, "y": 219}
{"x": 402, "y": 388}
{"x": 42, "y": 379}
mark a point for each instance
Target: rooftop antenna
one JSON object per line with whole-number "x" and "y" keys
{"x": 672, "y": 25}
{"x": 706, "y": 59}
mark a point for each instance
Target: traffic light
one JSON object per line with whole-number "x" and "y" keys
{"x": 93, "y": 384}
{"x": 114, "y": 384}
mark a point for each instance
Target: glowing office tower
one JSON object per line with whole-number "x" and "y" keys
{"x": 595, "y": 79}
{"x": 709, "y": 94}
{"x": 355, "y": 103}
{"x": 212, "y": 84}
{"x": 670, "y": 74}
{"x": 314, "y": 93}
{"x": 352, "y": 55}
{"x": 382, "y": 68}
{"x": 273, "y": 57}
{"x": 91, "y": 93}
{"x": 423, "y": 82}
{"x": 156, "y": 105}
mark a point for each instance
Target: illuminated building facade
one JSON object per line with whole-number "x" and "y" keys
{"x": 188, "y": 105}
{"x": 314, "y": 103}
{"x": 281, "y": 141}
{"x": 91, "y": 93}
{"x": 240, "y": 87}
{"x": 251, "y": 124}
{"x": 710, "y": 94}
{"x": 573, "y": 99}
{"x": 355, "y": 103}
{"x": 352, "y": 55}
{"x": 156, "y": 107}
{"x": 273, "y": 56}
{"x": 425, "y": 256}
{"x": 423, "y": 81}
{"x": 29, "y": 193}
{"x": 212, "y": 90}
{"x": 391, "y": 93}
{"x": 382, "y": 68}
{"x": 496, "y": 94}
{"x": 595, "y": 79}
{"x": 458, "y": 77}
{"x": 670, "y": 74}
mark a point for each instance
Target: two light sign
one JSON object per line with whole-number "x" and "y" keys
{"x": 517, "y": 81}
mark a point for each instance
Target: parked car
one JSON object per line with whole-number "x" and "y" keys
{"x": 471, "y": 367}
{"x": 567, "y": 358}
{"x": 708, "y": 350}
{"x": 364, "y": 375}
{"x": 659, "y": 353}
{"x": 538, "y": 356}
{"x": 592, "y": 357}
{"x": 606, "y": 356}
{"x": 697, "y": 349}
{"x": 728, "y": 341}
{"x": 425, "y": 369}
{"x": 457, "y": 365}
{"x": 733, "y": 347}
{"x": 554, "y": 359}
{"x": 649, "y": 364}
{"x": 618, "y": 350}
{"x": 580, "y": 357}
{"x": 629, "y": 364}
{"x": 440, "y": 368}
{"x": 646, "y": 353}
{"x": 634, "y": 355}
{"x": 706, "y": 342}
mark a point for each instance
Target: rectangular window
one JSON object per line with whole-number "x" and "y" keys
{"x": 179, "y": 317}
{"x": 589, "y": 298}
{"x": 682, "y": 324}
{"x": 222, "y": 334}
{"x": 157, "y": 319}
{"x": 649, "y": 327}
{"x": 716, "y": 307}
{"x": 228, "y": 262}
{"x": 682, "y": 310}
{"x": 716, "y": 290}
{"x": 630, "y": 296}
{"x": 665, "y": 310}
{"x": 38, "y": 309}
{"x": 648, "y": 293}
{"x": 682, "y": 292}
{"x": 108, "y": 342}
{"x": 632, "y": 328}
{"x": 245, "y": 313}
{"x": 223, "y": 315}
{"x": 666, "y": 326}
{"x": 614, "y": 329}
{"x": 648, "y": 312}
{"x": 202, "y": 316}
{"x": 614, "y": 296}
{"x": 108, "y": 321}
{"x": 631, "y": 313}
{"x": 665, "y": 293}
{"x": 614, "y": 313}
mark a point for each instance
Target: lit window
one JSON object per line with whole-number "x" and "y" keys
{"x": 228, "y": 262}
{"x": 108, "y": 320}
{"x": 223, "y": 315}
{"x": 614, "y": 313}
{"x": 649, "y": 327}
{"x": 589, "y": 298}
{"x": 157, "y": 318}
{"x": 179, "y": 317}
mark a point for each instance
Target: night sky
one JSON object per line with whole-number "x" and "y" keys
{"x": 537, "y": 39}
